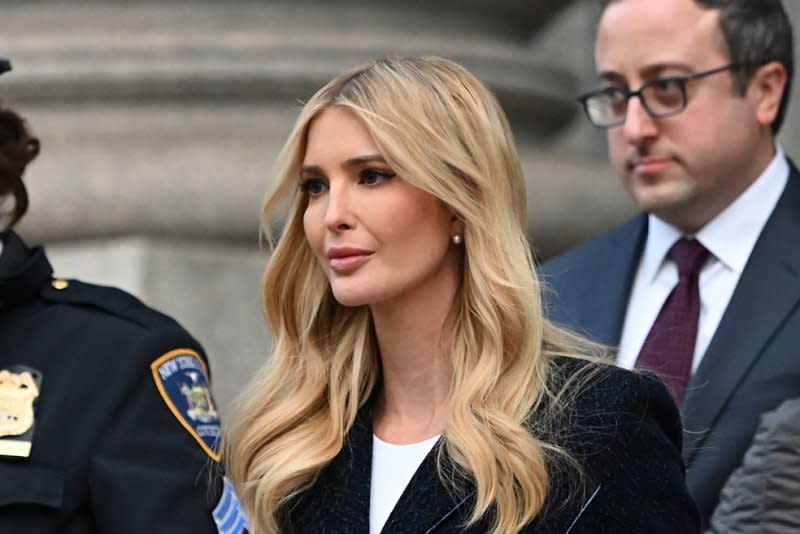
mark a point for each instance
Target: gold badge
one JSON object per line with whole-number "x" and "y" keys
{"x": 18, "y": 393}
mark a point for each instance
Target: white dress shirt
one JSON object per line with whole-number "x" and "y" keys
{"x": 729, "y": 237}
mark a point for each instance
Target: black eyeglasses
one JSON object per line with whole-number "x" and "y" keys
{"x": 662, "y": 97}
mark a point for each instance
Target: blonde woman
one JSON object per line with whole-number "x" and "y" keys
{"x": 415, "y": 385}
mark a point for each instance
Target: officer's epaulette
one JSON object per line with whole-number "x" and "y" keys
{"x": 104, "y": 298}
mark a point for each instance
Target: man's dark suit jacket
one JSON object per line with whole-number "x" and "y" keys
{"x": 623, "y": 429}
{"x": 753, "y": 360}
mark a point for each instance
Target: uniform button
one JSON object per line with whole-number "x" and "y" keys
{"x": 60, "y": 284}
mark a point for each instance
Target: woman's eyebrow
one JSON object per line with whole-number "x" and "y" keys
{"x": 310, "y": 169}
{"x": 362, "y": 160}
{"x": 350, "y": 162}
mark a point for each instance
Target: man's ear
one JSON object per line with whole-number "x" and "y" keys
{"x": 766, "y": 91}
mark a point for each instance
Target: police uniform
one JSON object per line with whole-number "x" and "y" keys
{"x": 106, "y": 420}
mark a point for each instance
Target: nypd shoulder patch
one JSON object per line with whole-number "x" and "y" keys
{"x": 181, "y": 377}
{"x": 228, "y": 514}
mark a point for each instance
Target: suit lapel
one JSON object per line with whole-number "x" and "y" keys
{"x": 610, "y": 288}
{"x": 768, "y": 290}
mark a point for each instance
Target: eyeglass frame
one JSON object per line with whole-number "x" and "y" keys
{"x": 681, "y": 80}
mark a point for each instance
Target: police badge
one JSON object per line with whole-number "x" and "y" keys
{"x": 182, "y": 380}
{"x": 19, "y": 389}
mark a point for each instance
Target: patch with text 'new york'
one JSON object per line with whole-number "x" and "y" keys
{"x": 182, "y": 380}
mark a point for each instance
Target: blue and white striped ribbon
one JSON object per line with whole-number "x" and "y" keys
{"x": 228, "y": 513}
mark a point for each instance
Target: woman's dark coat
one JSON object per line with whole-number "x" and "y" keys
{"x": 624, "y": 430}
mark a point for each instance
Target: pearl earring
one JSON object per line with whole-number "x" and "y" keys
{"x": 457, "y": 239}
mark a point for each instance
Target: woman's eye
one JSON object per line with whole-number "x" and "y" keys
{"x": 374, "y": 176}
{"x": 313, "y": 186}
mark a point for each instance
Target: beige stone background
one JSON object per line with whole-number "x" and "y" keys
{"x": 160, "y": 121}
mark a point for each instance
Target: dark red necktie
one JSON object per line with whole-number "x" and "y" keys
{"x": 668, "y": 349}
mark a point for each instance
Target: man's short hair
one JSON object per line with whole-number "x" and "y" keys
{"x": 756, "y": 32}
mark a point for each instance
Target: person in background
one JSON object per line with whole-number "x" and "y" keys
{"x": 763, "y": 494}
{"x": 703, "y": 286}
{"x": 107, "y": 424}
{"x": 415, "y": 385}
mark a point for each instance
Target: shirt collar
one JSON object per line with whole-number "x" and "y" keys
{"x": 732, "y": 234}
{"x": 660, "y": 238}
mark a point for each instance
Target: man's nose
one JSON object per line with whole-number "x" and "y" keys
{"x": 639, "y": 125}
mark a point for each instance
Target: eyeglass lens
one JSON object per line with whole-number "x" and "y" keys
{"x": 659, "y": 97}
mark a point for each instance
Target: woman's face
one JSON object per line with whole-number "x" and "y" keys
{"x": 379, "y": 239}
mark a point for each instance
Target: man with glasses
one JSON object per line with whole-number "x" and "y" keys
{"x": 704, "y": 286}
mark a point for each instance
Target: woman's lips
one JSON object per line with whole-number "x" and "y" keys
{"x": 349, "y": 263}
{"x": 344, "y": 259}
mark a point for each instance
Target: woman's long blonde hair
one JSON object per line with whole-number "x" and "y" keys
{"x": 443, "y": 131}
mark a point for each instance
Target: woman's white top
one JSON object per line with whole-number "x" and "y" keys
{"x": 392, "y": 469}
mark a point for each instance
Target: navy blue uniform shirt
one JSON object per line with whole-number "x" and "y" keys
{"x": 107, "y": 424}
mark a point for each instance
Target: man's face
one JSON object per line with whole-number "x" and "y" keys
{"x": 688, "y": 167}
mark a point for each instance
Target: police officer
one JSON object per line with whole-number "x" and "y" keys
{"x": 107, "y": 424}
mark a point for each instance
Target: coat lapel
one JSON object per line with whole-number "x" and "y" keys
{"x": 426, "y": 504}
{"x": 610, "y": 288}
{"x": 768, "y": 291}
{"x": 338, "y": 502}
